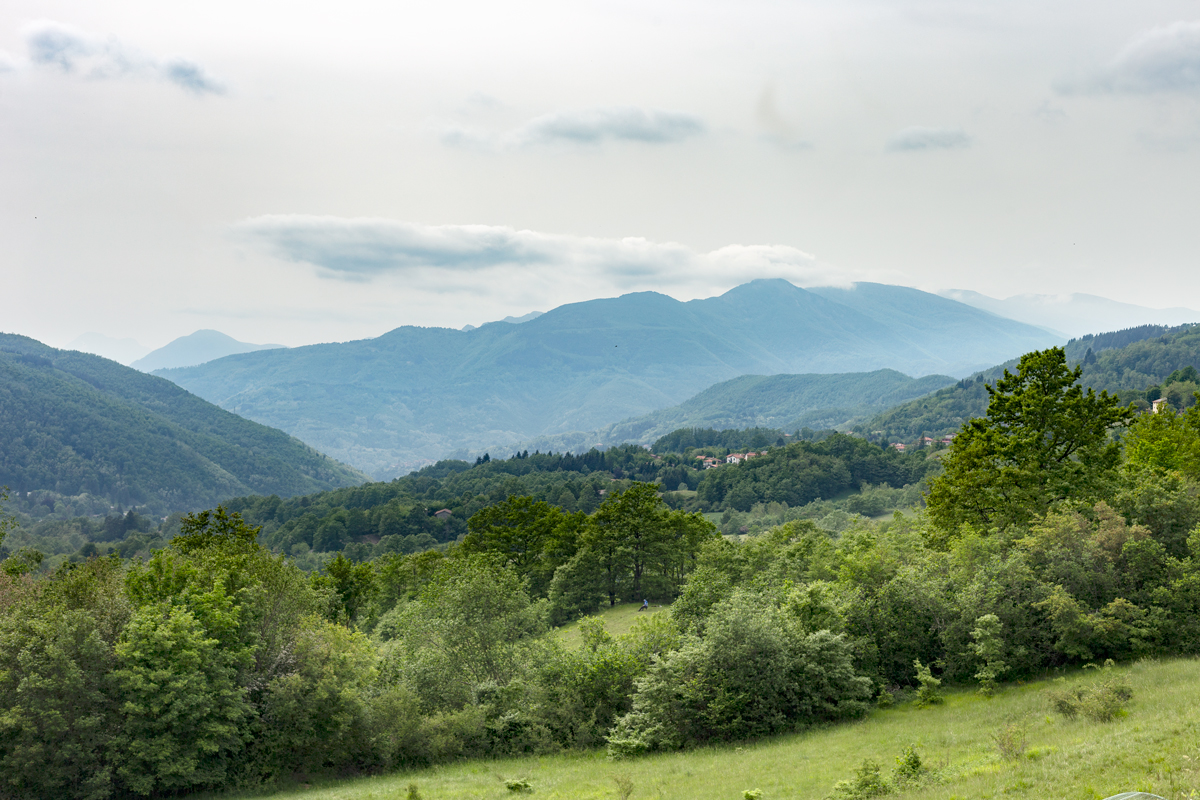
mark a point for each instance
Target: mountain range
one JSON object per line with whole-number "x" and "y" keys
{"x": 73, "y": 423}
{"x": 783, "y": 402}
{"x": 414, "y": 394}
{"x": 1074, "y": 314}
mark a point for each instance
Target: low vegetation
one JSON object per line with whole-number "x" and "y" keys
{"x": 1013, "y": 745}
{"x": 216, "y": 663}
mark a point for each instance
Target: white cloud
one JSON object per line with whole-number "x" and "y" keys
{"x": 589, "y": 126}
{"x": 919, "y": 138}
{"x": 73, "y": 51}
{"x": 8, "y": 63}
{"x": 471, "y": 258}
{"x": 1163, "y": 59}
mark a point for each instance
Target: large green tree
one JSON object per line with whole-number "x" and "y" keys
{"x": 521, "y": 530}
{"x": 1043, "y": 440}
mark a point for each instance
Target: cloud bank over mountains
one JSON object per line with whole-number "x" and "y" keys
{"x": 72, "y": 51}
{"x": 430, "y": 255}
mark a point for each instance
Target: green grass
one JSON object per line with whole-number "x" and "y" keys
{"x": 618, "y": 619}
{"x": 1154, "y": 748}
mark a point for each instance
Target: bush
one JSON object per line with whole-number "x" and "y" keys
{"x": 867, "y": 782}
{"x": 1100, "y": 702}
{"x": 909, "y": 766}
{"x": 1011, "y": 741}
{"x": 927, "y": 694}
{"x": 752, "y": 674}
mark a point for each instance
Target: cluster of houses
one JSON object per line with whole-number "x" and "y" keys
{"x": 708, "y": 462}
{"x": 924, "y": 441}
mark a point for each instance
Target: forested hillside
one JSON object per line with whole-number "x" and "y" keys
{"x": 784, "y": 402}
{"x": 77, "y": 429}
{"x": 415, "y": 395}
{"x": 1138, "y": 365}
{"x": 1046, "y": 545}
{"x": 400, "y": 515}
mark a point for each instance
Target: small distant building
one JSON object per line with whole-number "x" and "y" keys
{"x": 898, "y": 446}
{"x": 735, "y": 458}
{"x": 751, "y": 455}
{"x": 1158, "y": 404}
{"x": 948, "y": 438}
{"x": 445, "y": 513}
{"x": 710, "y": 462}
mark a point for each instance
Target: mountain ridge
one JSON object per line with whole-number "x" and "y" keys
{"x": 73, "y": 423}
{"x": 415, "y": 394}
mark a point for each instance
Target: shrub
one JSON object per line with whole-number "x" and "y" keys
{"x": 1010, "y": 741}
{"x": 1100, "y": 702}
{"x": 927, "y": 694}
{"x": 1106, "y": 701}
{"x": 518, "y": 785}
{"x": 752, "y": 674}
{"x": 867, "y": 782}
{"x": 988, "y": 647}
{"x": 909, "y": 766}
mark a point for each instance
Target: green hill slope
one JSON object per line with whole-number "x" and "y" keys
{"x": 416, "y": 394}
{"x": 1124, "y": 363}
{"x": 73, "y": 423}
{"x": 787, "y": 402}
{"x": 779, "y": 402}
{"x": 1152, "y": 750}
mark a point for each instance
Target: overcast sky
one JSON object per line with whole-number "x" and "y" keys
{"x": 302, "y": 172}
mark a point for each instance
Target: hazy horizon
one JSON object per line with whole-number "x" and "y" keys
{"x": 326, "y": 174}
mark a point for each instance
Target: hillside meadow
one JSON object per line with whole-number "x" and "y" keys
{"x": 1153, "y": 747}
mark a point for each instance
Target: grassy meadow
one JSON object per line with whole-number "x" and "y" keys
{"x": 1154, "y": 747}
{"x": 618, "y": 620}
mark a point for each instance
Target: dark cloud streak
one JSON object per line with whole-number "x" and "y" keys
{"x": 918, "y": 138}
{"x": 72, "y": 51}
{"x": 590, "y": 126}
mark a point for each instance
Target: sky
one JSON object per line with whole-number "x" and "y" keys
{"x": 308, "y": 172}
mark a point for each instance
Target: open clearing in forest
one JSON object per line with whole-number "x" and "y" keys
{"x": 618, "y": 620}
{"x": 1154, "y": 748}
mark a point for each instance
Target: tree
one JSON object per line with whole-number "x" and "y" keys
{"x": 1165, "y": 441}
{"x": 1043, "y": 441}
{"x": 353, "y": 584}
{"x": 518, "y": 529}
{"x": 628, "y": 533}
{"x": 183, "y": 711}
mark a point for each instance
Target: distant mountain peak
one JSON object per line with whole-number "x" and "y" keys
{"x": 196, "y": 348}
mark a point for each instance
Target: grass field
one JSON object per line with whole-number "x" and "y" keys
{"x": 1155, "y": 748}
{"x": 618, "y": 619}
